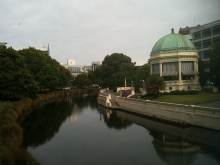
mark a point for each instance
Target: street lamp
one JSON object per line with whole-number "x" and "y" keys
{"x": 143, "y": 86}
{"x": 131, "y": 85}
{"x": 191, "y": 83}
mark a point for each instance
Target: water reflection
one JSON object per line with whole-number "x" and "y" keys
{"x": 89, "y": 133}
{"x": 44, "y": 122}
{"x": 175, "y": 145}
{"x": 112, "y": 120}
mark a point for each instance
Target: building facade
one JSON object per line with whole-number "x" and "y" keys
{"x": 2, "y": 44}
{"x": 92, "y": 67}
{"x": 175, "y": 58}
{"x": 202, "y": 36}
{"x": 74, "y": 69}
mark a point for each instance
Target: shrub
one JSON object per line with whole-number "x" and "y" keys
{"x": 126, "y": 93}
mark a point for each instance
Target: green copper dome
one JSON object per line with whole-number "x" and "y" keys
{"x": 172, "y": 42}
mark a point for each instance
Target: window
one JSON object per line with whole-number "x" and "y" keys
{"x": 156, "y": 68}
{"x": 206, "y": 33}
{"x": 207, "y": 54}
{"x": 197, "y": 45}
{"x": 196, "y": 35}
{"x": 206, "y": 43}
{"x": 216, "y": 30}
{"x": 170, "y": 69}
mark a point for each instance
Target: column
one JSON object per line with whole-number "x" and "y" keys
{"x": 195, "y": 71}
{"x": 179, "y": 69}
{"x": 151, "y": 69}
{"x": 161, "y": 71}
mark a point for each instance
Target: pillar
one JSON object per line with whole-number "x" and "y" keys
{"x": 151, "y": 69}
{"x": 179, "y": 70}
{"x": 161, "y": 70}
{"x": 196, "y": 71}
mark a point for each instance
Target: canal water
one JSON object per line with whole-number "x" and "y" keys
{"x": 78, "y": 131}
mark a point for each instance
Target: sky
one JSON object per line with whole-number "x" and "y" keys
{"x": 88, "y": 30}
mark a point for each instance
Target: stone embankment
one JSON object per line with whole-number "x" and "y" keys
{"x": 11, "y": 133}
{"x": 182, "y": 114}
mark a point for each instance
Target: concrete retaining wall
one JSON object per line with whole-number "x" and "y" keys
{"x": 187, "y": 114}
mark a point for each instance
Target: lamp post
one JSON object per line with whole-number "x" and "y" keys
{"x": 191, "y": 83}
{"x": 143, "y": 86}
{"x": 131, "y": 85}
{"x": 214, "y": 81}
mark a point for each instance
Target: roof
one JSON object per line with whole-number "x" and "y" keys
{"x": 172, "y": 42}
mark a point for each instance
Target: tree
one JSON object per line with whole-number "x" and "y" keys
{"x": 16, "y": 80}
{"x": 215, "y": 63}
{"x": 82, "y": 79}
{"x": 202, "y": 74}
{"x": 142, "y": 74}
{"x": 111, "y": 65}
{"x": 154, "y": 84}
{"x": 46, "y": 71}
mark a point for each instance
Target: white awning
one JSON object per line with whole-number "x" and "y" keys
{"x": 156, "y": 68}
{"x": 170, "y": 73}
{"x": 170, "y": 69}
{"x": 188, "y": 72}
{"x": 187, "y": 68}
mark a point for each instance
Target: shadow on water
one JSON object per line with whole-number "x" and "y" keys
{"x": 172, "y": 144}
{"x": 175, "y": 145}
{"x": 44, "y": 121}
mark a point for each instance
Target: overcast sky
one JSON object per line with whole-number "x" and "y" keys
{"x": 88, "y": 30}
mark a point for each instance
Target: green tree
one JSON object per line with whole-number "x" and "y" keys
{"x": 82, "y": 79}
{"x": 111, "y": 65}
{"x": 16, "y": 80}
{"x": 154, "y": 84}
{"x": 202, "y": 74}
{"x": 215, "y": 63}
{"x": 46, "y": 71}
{"x": 142, "y": 74}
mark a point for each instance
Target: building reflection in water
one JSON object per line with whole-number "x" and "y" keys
{"x": 173, "y": 144}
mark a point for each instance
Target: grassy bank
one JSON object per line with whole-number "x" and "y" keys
{"x": 11, "y": 133}
{"x": 185, "y": 99}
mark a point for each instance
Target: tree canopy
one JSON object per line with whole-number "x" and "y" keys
{"x": 215, "y": 63}
{"x": 24, "y": 72}
{"x": 16, "y": 80}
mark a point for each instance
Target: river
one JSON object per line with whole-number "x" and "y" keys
{"x": 78, "y": 131}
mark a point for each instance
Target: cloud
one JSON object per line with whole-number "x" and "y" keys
{"x": 89, "y": 30}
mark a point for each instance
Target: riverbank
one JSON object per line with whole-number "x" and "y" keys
{"x": 181, "y": 114}
{"x": 11, "y": 134}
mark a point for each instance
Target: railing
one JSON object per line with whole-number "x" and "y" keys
{"x": 191, "y": 114}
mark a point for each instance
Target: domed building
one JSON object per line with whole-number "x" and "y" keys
{"x": 175, "y": 58}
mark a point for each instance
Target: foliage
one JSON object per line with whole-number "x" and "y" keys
{"x": 111, "y": 65}
{"x": 142, "y": 74}
{"x": 202, "y": 74}
{"x": 82, "y": 79}
{"x": 154, "y": 84}
{"x": 215, "y": 63}
{"x": 46, "y": 71}
{"x": 4, "y": 107}
{"x": 16, "y": 80}
{"x": 126, "y": 93}
{"x": 182, "y": 92}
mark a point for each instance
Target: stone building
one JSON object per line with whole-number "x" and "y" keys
{"x": 175, "y": 58}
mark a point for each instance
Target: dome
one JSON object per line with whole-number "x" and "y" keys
{"x": 173, "y": 42}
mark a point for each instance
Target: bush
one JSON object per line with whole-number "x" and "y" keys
{"x": 183, "y": 92}
{"x": 126, "y": 93}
